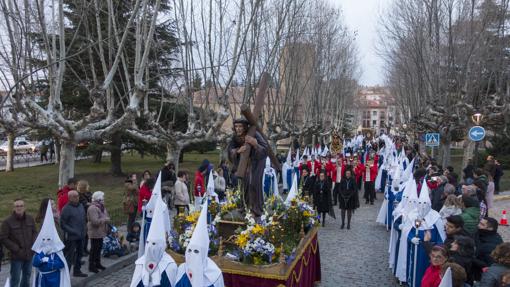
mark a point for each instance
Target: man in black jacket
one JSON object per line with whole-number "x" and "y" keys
{"x": 487, "y": 239}
{"x": 73, "y": 223}
{"x": 454, "y": 226}
{"x": 18, "y": 234}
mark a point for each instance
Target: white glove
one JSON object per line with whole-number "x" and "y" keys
{"x": 45, "y": 259}
{"x": 401, "y": 226}
{"x": 415, "y": 240}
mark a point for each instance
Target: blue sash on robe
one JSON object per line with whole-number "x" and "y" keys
{"x": 268, "y": 184}
{"x": 397, "y": 222}
{"x": 146, "y": 227}
{"x": 165, "y": 282}
{"x": 184, "y": 282}
{"x": 423, "y": 259}
{"x": 391, "y": 199}
{"x": 49, "y": 271}
{"x": 289, "y": 177}
{"x": 384, "y": 176}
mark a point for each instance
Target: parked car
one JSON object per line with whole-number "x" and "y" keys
{"x": 20, "y": 147}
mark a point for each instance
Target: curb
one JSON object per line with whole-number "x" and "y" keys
{"x": 125, "y": 261}
{"x": 501, "y": 197}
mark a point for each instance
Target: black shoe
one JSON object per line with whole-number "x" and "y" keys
{"x": 348, "y": 226}
{"x": 342, "y": 227}
{"x": 100, "y": 267}
{"x": 372, "y": 203}
{"x": 79, "y": 274}
{"x": 93, "y": 270}
{"x": 323, "y": 222}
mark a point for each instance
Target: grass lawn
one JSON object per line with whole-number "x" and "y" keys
{"x": 35, "y": 183}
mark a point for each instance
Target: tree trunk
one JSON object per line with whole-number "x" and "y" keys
{"x": 223, "y": 151}
{"x": 446, "y": 154}
{"x": 9, "y": 161}
{"x": 116, "y": 155}
{"x": 173, "y": 154}
{"x": 58, "y": 148}
{"x": 469, "y": 147}
{"x": 67, "y": 157}
{"x": 98, "y": 156}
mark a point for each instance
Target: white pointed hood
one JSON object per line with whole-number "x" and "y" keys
{"x": 408, "y": 173}
{"x": 447, "y": 280}
{"x": 319, "y": 150}
{"x": 424, "y": 204}
{"x": 293, "y": 193}
{"x": 297, "y": 159}
{"x": 268, "y": 163}
{"x": 211, "y": 188}
{"x": 405, "y": 206}
{"x": 289, "y": 157}
{"x": 199, "y": 268}
{"x": 156, "y": 194}
{"x": 48, "y": 241}
{"x": 7, "y": 282}
{"x": 155, "y": 246}
{"x": 149, "y": 213}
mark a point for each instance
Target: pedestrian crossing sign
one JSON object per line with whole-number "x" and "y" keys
{"x": 432, "y": 139}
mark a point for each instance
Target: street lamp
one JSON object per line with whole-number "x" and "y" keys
{"x": 477, "y": 118}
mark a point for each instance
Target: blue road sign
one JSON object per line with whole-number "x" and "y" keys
{"x": 476, "y": 133}
{"x": 432, "y": 139}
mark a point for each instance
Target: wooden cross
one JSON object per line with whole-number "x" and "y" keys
{"x": 252, "y": 117}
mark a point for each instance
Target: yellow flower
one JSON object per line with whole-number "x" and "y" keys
{"x": 258, "y": 230}
{"x": 242, "y": 240}
{"x": 307, "y": 213}
{"x": 193, "y": 217}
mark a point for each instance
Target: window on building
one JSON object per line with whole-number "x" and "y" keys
{"x": 366, "y": 119}
{"x": 374, "y": 123}
{"x": 374, "y": 113}
{"x": 383, "y": 123}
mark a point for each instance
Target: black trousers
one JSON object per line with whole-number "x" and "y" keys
{"x": 336, "y": 193}
{"x": 369, "y": 194}
{"x": 73, "y": 251}
{"x": 95, "y": 252}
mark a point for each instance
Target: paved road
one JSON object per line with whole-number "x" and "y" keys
{"x": 355, "y": 257}
{"x": 350, "y": 258}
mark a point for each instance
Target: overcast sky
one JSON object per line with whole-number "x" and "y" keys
{"x": 362, "y": 16}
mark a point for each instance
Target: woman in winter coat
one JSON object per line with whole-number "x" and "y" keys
{"x": 348, "y": 199}
{"x": 501, "y": 256}
{"x": 438, "y": 257}
{"x": 97, "y": 229}
{"x": 452, "y": 206}
{"x": 322, "y": 195}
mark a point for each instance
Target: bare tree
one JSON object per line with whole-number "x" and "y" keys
{"x": 37, "y": 30}
{"x": 446, "y": 60}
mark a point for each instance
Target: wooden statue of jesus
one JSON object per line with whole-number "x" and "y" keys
{"x": 252, "y": 178}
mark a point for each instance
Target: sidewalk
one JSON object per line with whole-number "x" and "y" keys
{"x": 112, "y": 264}
{"x": 505, "y": 195}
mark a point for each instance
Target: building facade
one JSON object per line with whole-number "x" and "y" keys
{"x": 375, "y": 110}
